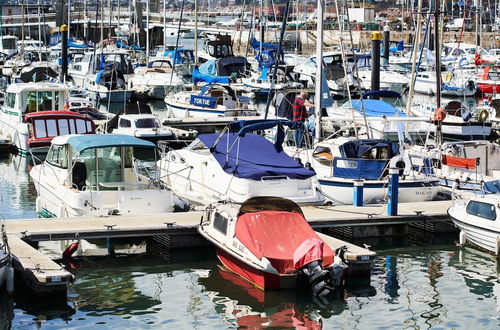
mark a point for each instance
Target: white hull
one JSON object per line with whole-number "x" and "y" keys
{"x": 56, "y": 200}
{"x": 181, "y": 110}
{"x": 375, "y": 191}
{"x": 207, "y": 182}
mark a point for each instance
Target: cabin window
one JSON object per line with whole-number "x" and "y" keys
{"x": 10, "y": 100}
{"x": 323, "y": 155}
{"x": 125, "y": 123}
{"x": 57, "y": 156}
{"x": 482, "y": 210}
{"x": 220, "y": 223}
{"x": 63, "y": 126}
{"x": 40, "y": 130}
{"x": 89, "y": 126}
{"x": 51, "y": 127}
{"x": 80, "y": 126}
{"x": 147, "y": 123}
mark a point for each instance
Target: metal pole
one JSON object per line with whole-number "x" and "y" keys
{"x": 85, "y": 22}
{"x": 147, "y": 31}
{"x": 69, "y": 15}
{"x": 438, "y": 55}
{"x": 319, "y": 70}
{"x": 376, "y": 37}
{"x": 387, "y": 40}
{"x": 64, "y": 52}
{"x": 414, "y": 60}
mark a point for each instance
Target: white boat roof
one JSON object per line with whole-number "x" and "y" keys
{"x": 39, "y": 86}
{"x": 462, "y": 45}
{"x": 138, "y": 116}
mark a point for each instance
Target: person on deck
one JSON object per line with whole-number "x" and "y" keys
{"x": 300, "y": 115}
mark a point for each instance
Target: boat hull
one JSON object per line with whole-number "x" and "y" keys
{"x": 259, "y": 278}
{"x": 480, "y": 236}
{"x": 489, "y": 87}
{"x": 375, "y": 191}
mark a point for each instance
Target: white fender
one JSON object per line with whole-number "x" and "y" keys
{"x": 38, "y": 205}
{"x": 462, "y": 239}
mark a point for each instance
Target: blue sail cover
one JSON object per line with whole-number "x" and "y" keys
{"x": 200, "y": 77}
{"x": 253, "y": 157}
{"x": 256, "y": 45}
{"x": 376, "y": 108}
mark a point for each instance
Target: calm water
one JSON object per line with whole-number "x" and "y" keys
{"x": 412, "y": 286}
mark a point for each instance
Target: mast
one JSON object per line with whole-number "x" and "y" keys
{"x": 165, "y": 23}
{"x": 438, "y": 54}
{"x": 147, "y": 31}
{"x": 319, "y": 69}
{"x": 195, "y": 39}
{"x": 85, "y": 22}
{"x": 416, "y": 42}
{"x": 69, "y": 16}
{"x": 39, "y": 33}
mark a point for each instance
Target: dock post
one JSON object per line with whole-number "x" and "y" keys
{"x": 357, "y": 197}
{"x": 392, "y": 204}
{"x": 376, "y": 37}
{"x": 64, "y": 52}
{"x": 387, "y": 41}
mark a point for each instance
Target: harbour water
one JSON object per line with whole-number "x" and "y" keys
{"x": 414, "y": 284}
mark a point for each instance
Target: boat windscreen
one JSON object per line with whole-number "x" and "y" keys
{"x": 263, "y": 203}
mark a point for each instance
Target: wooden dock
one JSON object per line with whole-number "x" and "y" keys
{"x": 39, "y": 272}
{"x": 43, "y": 275}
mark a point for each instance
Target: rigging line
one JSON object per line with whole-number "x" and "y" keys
{"x": 278, "y": 54}
{"x": 177, "y": 41}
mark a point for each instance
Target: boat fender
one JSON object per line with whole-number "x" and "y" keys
{"x": 9, "y": 280}
{"x": 38, "y": 205}
{"x": 447, "y": 77}
{"x": 462, "y": 238}
{"x": 61, "y": 211}
{"x": 70, "y": 250}
{"x": 482, "y": 116}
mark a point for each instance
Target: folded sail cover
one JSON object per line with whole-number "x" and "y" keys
{"x": 467, "y": 163}
{"x": 253, "y": 157}
{"x": 277, "y": 235}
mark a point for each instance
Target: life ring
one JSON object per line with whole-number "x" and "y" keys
{"x": 447, "y": 77}
{"x": 482, "y": 116}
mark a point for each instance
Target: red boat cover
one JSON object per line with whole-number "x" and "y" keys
{"x": 276, "y": 235}
{"x": 467, "y": 163}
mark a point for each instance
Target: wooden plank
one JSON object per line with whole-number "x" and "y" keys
{"x": 39, "y": 272}
{"x": 99, "y": 227}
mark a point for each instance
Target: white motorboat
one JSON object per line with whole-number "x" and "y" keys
{"x": 143, "y": 126}
{"x": 98, "y": 175}
{"x": 236, "y": 167}
{"x": 104, "y": 74}
{"x": 45, "y": 103}
{"x": 452, "y": 85}
{"x": 155, "y": 81}
{"x": 389, "y": 80}
{"x": 342, "y": 162}
{"x": 461, "y": 123}
{"x": 213, "y": 100}
{"x": 478, "y": 220}
{"x": 268, "y": 242}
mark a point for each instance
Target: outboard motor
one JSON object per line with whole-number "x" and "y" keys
{"x": 318, "y": 278}
{"x": 337, "y": 268}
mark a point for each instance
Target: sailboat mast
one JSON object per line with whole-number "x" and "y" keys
{"x": 69, "y": 16}
{"x": 86, "y": 20}
{"x": 147, "y": 31}
{"x": 319, "y": 69}
{"x": 416, "y": 42}
{"x": 438, "y": 54}
{"x": 165, "y": 23}
{"x": 196, "y": 32}
{"x": 39, "y": 33}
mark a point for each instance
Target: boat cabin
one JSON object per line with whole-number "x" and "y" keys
{"x": 24, "y": 98}
{"x": 102, "y": 162}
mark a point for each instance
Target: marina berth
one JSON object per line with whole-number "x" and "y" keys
{"x": 86, "y": 175}
{"x": 236, "y": 165}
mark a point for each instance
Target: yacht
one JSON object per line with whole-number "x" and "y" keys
{"x": 155, "y": 81}
{"x": 237, "y": 166}
{"x": 341, "y": 162}
{"x": 43, "y": 102}
{"x": 143, "y": 126}
{"x": 452, "y": 84}
{"x": 98, "y": 175}
{"x": 478, "y": 220}
{"x": 213, "y": 100}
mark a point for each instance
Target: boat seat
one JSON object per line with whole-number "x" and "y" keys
{"x": 79, "y": 175}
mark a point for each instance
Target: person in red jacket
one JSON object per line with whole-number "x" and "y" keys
{"x": 300, "y": 115}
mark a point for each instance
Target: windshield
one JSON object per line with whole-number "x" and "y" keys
{"x": 147, "y": 123}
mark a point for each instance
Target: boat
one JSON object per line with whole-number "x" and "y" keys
{"x": 489, "y": 80}
{"x": 155, "y": 81}
{"x": 43, "y": 102}
{"x": 143, "y": 126}
{"x": 213, "y": 100}
{"x": 236, "y": 165}
{"x": 390, "y": 80}
{"x": 478, "y": 219}
{"x": 452, "y": 85}
{"x": 98, "y": 175}
{"x": 268, "y": 242}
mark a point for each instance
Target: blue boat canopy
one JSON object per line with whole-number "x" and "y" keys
{"x": 83, "y": 142}
{"x": 376, "y": 108}
{"x": 201, "y": 77}
{"x": 252, "y": 157}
